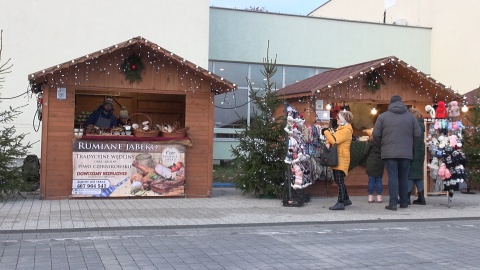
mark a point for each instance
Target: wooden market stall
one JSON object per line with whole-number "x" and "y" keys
{"x": 361, "y": 88}
{"x": 152, "y": 84}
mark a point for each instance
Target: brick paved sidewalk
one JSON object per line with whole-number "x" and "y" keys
{"x": 226, "y": 207}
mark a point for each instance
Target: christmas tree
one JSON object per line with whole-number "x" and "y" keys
{"x": 471, "y": 145}
{"x": 12, "y": 179}
{"x": 261, "y": 148}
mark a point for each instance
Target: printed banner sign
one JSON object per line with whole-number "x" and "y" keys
{"x": 127, "y": 168}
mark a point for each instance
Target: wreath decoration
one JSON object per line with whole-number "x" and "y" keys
{"x": 132, "y": 68}
{"x": 374, "y": 81}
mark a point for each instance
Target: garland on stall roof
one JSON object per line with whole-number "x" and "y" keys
{"x": 374, "y": 81}
{"x": 132, "y": 68}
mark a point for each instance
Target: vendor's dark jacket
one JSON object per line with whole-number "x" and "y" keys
{"x": 93, "y": 117}
{"x": 417, "y": 163}
{"x": 372, "y": 154}
{"x": 395, "y": 131}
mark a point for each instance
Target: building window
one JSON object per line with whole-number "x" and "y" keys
{"x": 233, "y": 109}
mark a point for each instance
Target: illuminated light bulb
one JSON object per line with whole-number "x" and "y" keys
{"x": 374, "y": 111}
{"x": 464, "y": 108}
{"x": 328, "y": 107}
{"x": 329, "y": 86}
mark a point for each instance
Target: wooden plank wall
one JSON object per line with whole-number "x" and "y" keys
{"x": 167, "y": 93}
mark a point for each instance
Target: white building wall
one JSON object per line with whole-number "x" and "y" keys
{"x": 39, "y": 34}
{"x": 454, "y": 23}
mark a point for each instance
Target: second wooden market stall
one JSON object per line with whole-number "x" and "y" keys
{"x": 364, "y": 89}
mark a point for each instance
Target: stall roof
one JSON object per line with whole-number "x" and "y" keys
{"x": 472, "y": 97}
{"x": 328, "y": 79}
{"x": 224, "y": 85}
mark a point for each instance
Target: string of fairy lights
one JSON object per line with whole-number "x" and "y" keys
{"x": 351, "y": 87}
{"x": 108, "y": 61}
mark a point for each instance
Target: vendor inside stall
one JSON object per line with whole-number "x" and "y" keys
{"x": 103, "y": 116}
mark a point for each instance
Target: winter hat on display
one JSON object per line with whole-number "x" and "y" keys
{"x": 395, "y": 98}
{"x": 441, "y": 111}
{"x": 429, "y": 109}
{"x": 453, "y": 109}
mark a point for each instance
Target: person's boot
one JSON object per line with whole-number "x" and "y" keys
{"x": 379, "y": 199}
{"x": 337, "y": 206}
{"x": 408, "y": 198}
{"x": 370, "y": 199}
{"x": 347, "y": 202}
{"x": 421, "y": 199}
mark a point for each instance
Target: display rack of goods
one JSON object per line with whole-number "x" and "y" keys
{"x": 172, "y": 130}
{"x": 145, "y": 128}
{"x": 82, "y": 117}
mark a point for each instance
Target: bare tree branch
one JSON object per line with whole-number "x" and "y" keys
{"x": 5, "y": 67}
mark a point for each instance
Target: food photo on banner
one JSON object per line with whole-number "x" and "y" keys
{"x": 126, "y": 168}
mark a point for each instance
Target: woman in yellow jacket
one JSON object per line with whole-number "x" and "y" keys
{"x": 343, "y": 138}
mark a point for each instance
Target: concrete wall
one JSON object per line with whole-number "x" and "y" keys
{"x": 40, "y": 34}
{"x": 454, "y": 40}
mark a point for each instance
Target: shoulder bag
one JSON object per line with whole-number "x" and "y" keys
{"x": 329, "y": 156}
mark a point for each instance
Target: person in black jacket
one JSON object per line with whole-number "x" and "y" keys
{"x": 103, "y": 116}
{"x": 375, "y": 168}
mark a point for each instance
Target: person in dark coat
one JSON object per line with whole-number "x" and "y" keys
{"x": 415, "y": 174}
{"x": 395, "y": 131}
{"x": 103, "y": 116}
{"x": 375, "y": 168}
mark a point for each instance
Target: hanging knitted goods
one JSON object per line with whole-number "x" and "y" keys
{"x": 298, "y": 173}
{"x": 441, "y": 111}
{"x": 430, "y": 110}
{"x": 453, "y": 109}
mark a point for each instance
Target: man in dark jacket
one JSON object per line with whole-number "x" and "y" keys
{"x": 103, "y": 116}
{"x": 396, "y": 131}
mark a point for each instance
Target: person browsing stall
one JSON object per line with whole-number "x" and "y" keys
{"x": 103, "y": 116}
{"x": 374, "y": 168}
{"x": 396, "y": 130}
{"x": 343, "y": 138}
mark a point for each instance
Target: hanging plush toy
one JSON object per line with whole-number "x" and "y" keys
{"x": 298, "y": 181}
{"x": 430, "y": 110}
{"x": 453, "y": 109}
{"x": 441, "y": 111}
